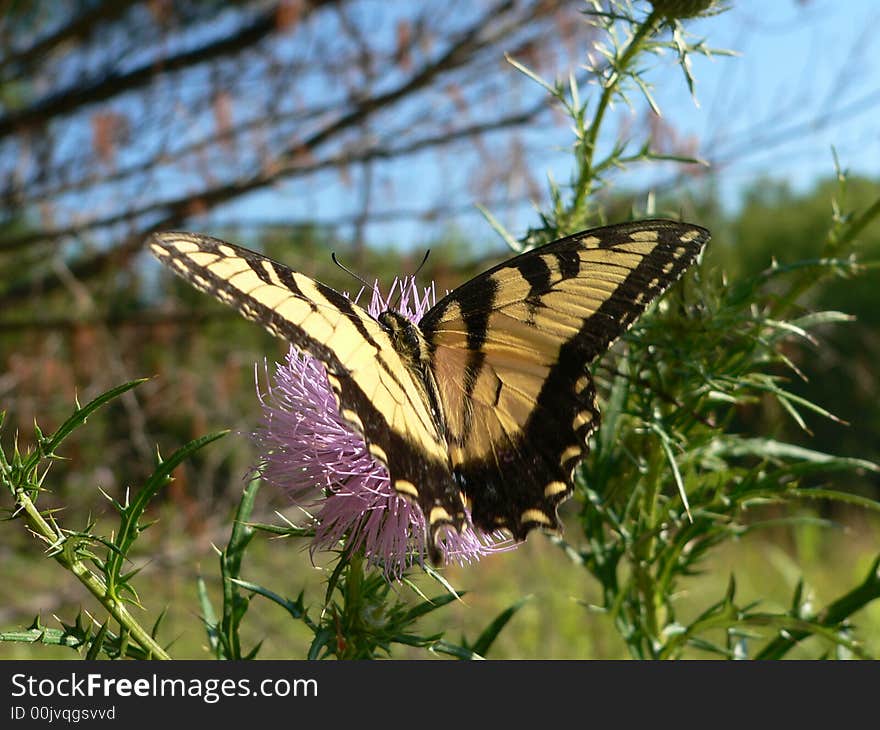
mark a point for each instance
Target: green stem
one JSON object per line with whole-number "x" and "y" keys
{"x": 230, "y": 569}
{"x": 588, "y": 148}
{"x": 857, "y": 226}
{"x": 92, "y": 582}
{"x": 832, "y": 248}
{"x": 353, "y": 610}
{"x": 650, "y": 600}
{"x": 832, "y": 616}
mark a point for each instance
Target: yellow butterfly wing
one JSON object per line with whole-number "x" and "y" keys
{"x": 375, "y": 390}
{"x": 510, "y": 350}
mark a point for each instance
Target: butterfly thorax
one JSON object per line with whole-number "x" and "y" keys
{"x": 410, "y": 344}
{"x": 405, "y": 336}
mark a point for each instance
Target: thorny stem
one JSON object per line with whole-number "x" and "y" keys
{"x": 832, "y": 247}
{"x": 643, "y": 550}
{"x": 584, "y": 184}
{"x": 92, "y": 582}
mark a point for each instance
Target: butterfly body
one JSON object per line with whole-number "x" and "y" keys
{"x": 414, "y": 351}
{"x": 487, "y": 402}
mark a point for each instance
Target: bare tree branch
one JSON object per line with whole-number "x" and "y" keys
{"x": 175, "y": 211}
{"x": 80, "y": 27}
{"x": 203, "y": 124}
{"x": 67, "y": 100}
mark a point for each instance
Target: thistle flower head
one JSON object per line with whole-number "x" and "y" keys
{"x": 308, "y": 450}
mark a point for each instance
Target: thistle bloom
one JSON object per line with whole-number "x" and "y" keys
{"x": 309, "y": 451}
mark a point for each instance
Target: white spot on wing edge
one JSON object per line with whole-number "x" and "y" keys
{"x": 438, "y": 514}
{"x": 554, "y": 488}
{"x": 535, "y": 515}
{"x": 405, "y": 487}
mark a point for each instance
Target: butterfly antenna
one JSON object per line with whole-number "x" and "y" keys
{"x": 348, "y": 271}
{"x": 424, "y": 261}
{"x": 411, "y": 276}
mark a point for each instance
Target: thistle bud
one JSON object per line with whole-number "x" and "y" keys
{"x": 680, "y": 9}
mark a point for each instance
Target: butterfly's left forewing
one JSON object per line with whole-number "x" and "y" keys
{"x": 510, "y": 354}
{"x": 375, "y": 391}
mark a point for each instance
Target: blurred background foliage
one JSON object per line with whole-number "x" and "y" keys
{"x": 119, "y": 118}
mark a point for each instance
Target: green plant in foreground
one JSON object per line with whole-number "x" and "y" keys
{"x": 669, "y": 479}
{"x": 97, "y": 561}
{"x": 672, "y": 400}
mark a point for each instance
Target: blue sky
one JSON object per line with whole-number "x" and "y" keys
{"x": 808, "y": 67}
{"x": 806, "y": 78}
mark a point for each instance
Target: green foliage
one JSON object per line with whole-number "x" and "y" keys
{"x": 668, "y": 479}
{"x": 96, "y": 560}
{"x": 779, "y": 224}
{"x": 363, "y": 614}
{"x": 671, "y": 397}
{"x": 223, "y": 635}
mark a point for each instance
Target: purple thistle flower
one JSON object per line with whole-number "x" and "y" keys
{"x": 309, "y": 451}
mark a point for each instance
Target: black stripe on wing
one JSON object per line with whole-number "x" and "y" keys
{"x": 272, "y": 294}
{"x": 520, "y": 484}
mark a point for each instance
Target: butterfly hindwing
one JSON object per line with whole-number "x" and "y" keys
{"x": 510, "y": 350}
{"x": 376, "y": 393}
